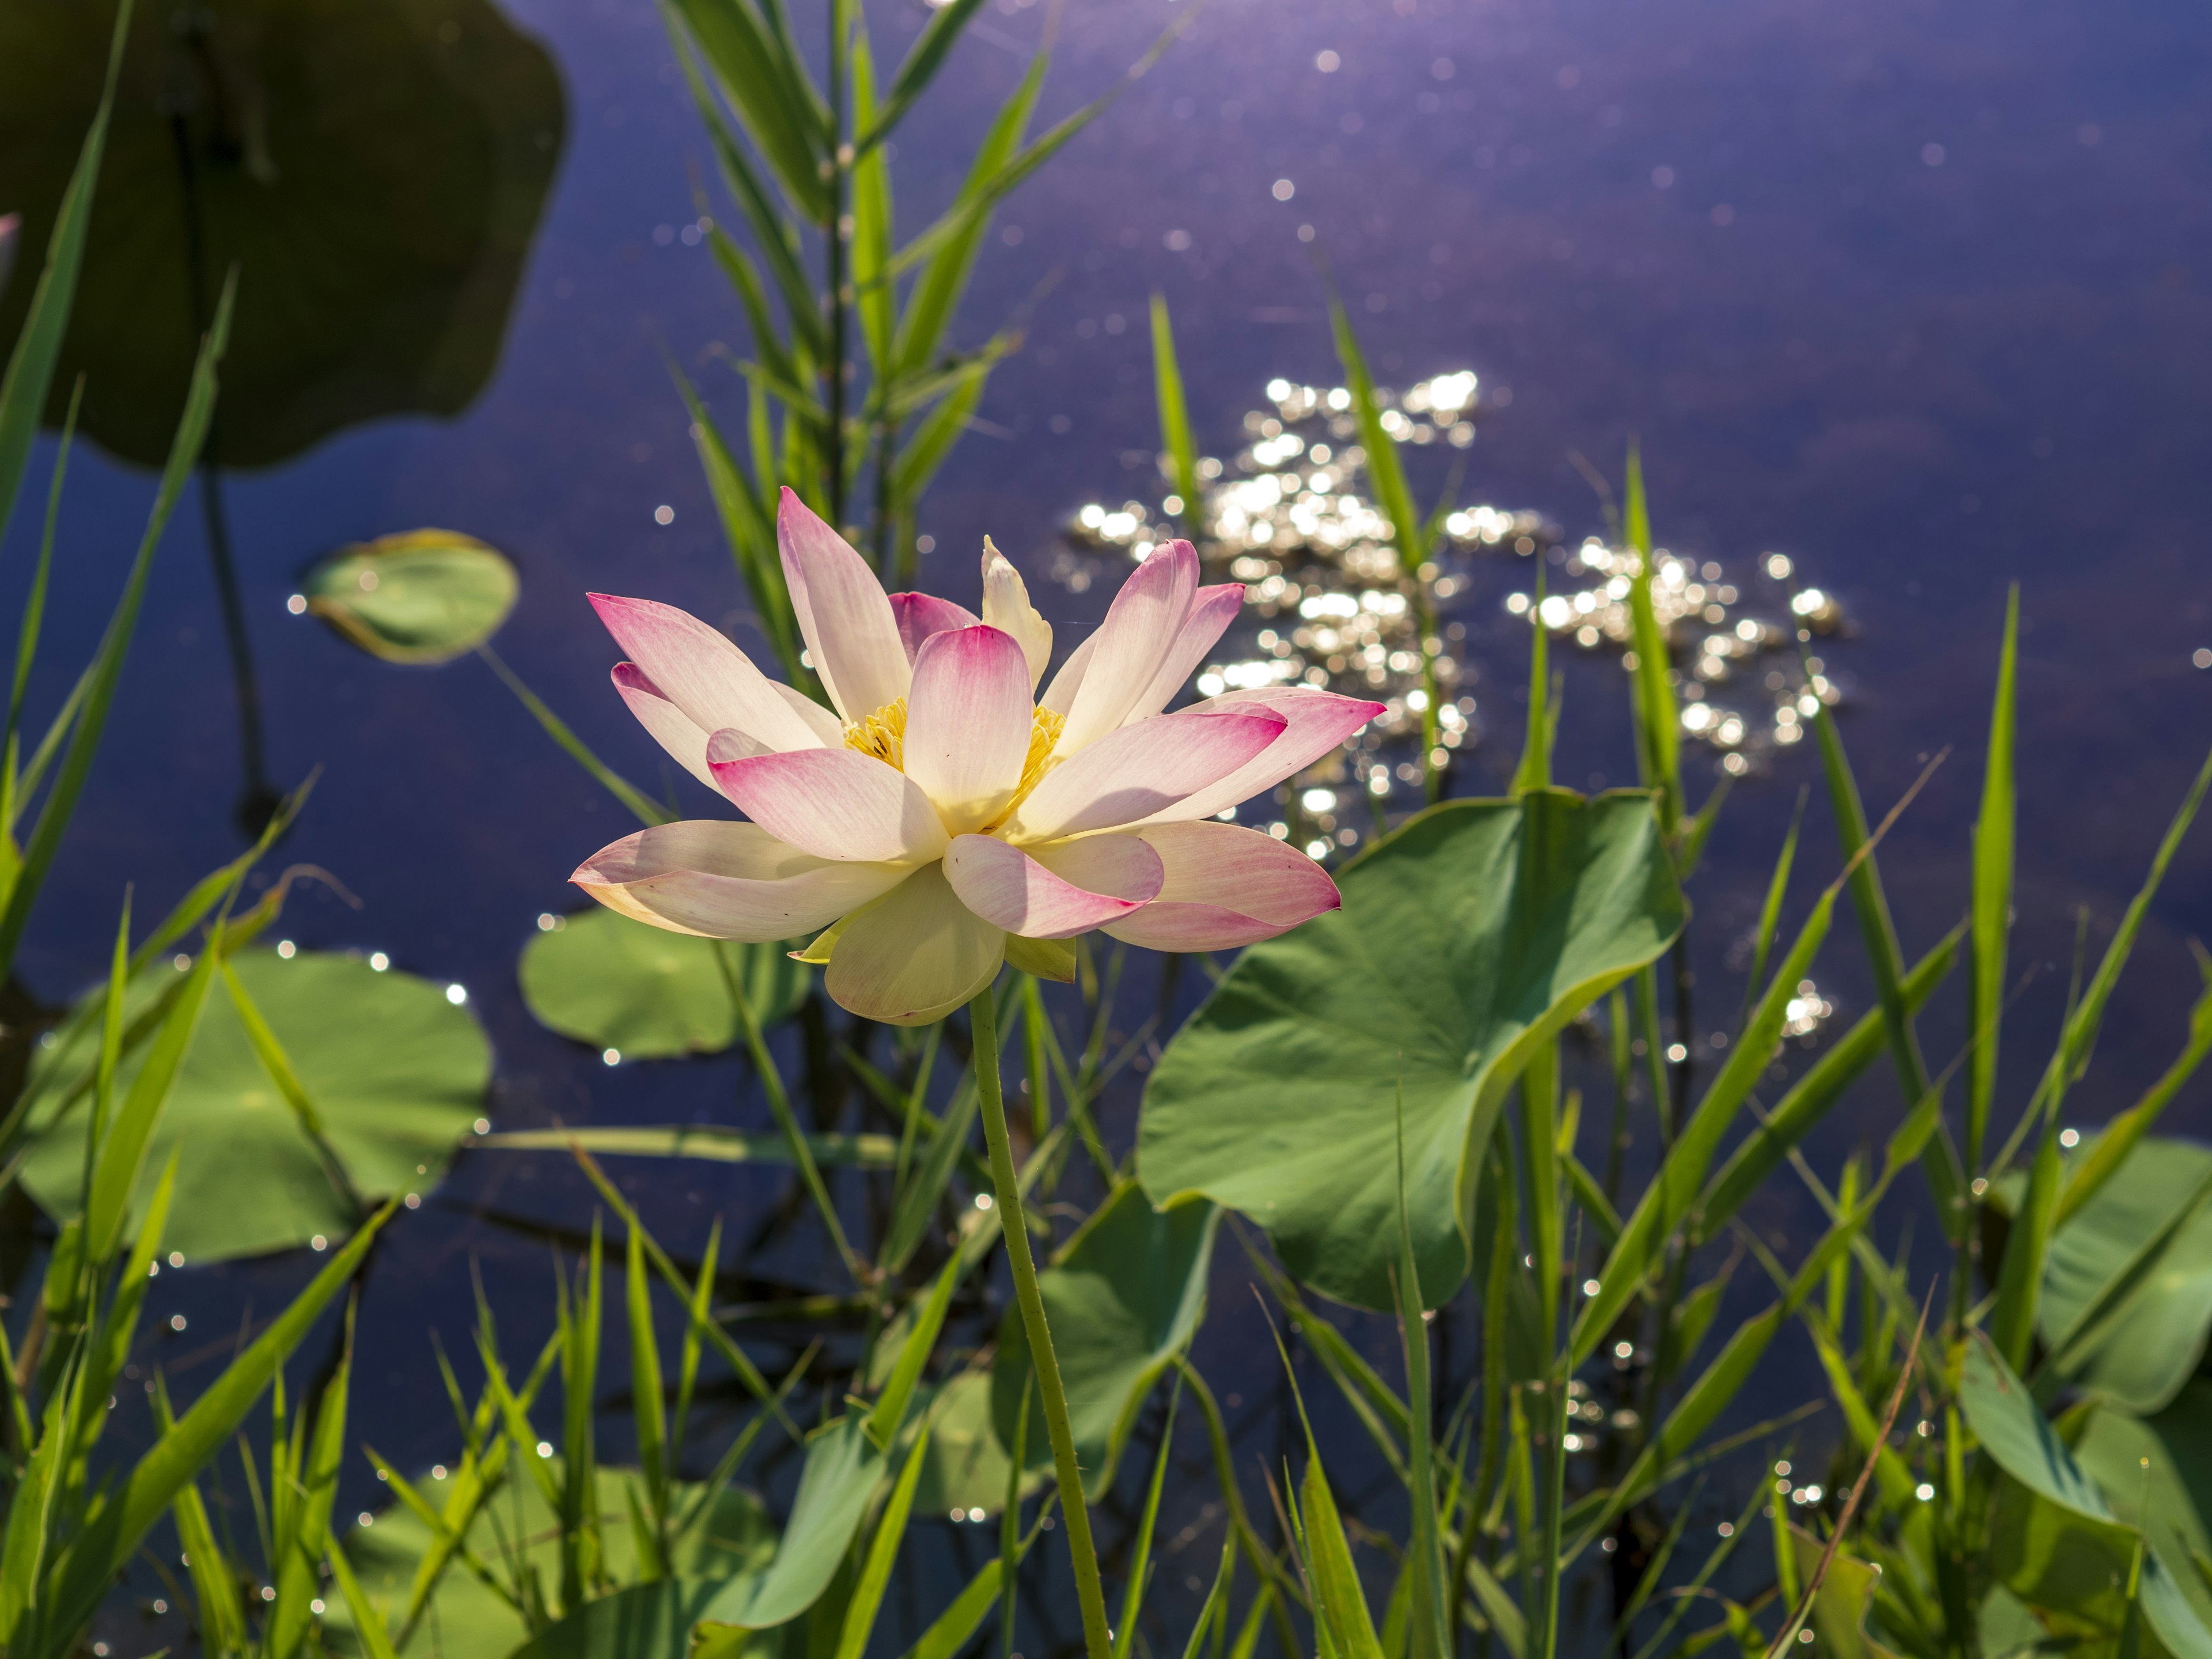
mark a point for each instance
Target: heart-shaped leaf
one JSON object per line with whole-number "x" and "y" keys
{"x": 1122, "y": 1299}
{"x": 649, "y": 993}
{"x": 425, "y": 597}
{"x": 1468, "y": 936}
{"x": 393, "y": 1069}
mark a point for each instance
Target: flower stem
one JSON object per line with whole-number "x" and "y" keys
{"x": 1090, "y": 1589}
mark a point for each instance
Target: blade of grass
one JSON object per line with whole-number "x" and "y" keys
{"x": 867, "y": 1597}
{"x": 1770, "y": 912}
{"x": 1175, "y": 414}
{"x": 1658, "y": 726}
{"x": 1993, "y": 878}
{"x": 2103, "y": 1160}
{"x": 1140, "y": 1556}
{"x": 1535, "y": 769}
{"x": 915, "y": 71}
{"x": 648, "y": 812}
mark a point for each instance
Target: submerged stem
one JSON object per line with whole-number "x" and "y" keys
{"x": 1090, "y": 1589}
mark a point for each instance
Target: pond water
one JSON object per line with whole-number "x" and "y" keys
{"x": 1920, "y": 297}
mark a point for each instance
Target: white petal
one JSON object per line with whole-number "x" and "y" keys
{"x": 1211, "y": 612}
{"x": 1007, "y": 607}
{"x": 968, "y": 724}
{"x": 1224, "y": 887}
{"x": 727, "y": 881}
{"x": 833, "y": 803}
{"x": 1318, "y": 721}
{"x": 701, "y": 672}
{"x": 915, "y": 955}
{"x": 843, "y": 611}
{"x": 822, "y": 722}
{"x": 671, "y": 726}
{"x": 1140, "y": 629}
{"x": 1130, "y": 775}
{"x": 1060, "y": 695}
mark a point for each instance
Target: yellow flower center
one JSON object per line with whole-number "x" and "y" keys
{"x": 882, "y": 734}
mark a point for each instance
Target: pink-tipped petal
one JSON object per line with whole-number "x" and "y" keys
{"x": 672, "y": 728}
{"x": 1316, "y": 722}
{"x": 1067, "y": 889}
{"x": 703, "y": 673}
{"x": 1141, "y": 770}
{"x": 1140, "y": 629}
{"x": 1225, "y": 887}
{"x": 843, "y": 611}
{"x": 833, "y": 803}
{"x": 822, "y": 722}
{"x": 915, "y": 955}
{"x": 1212, "y": 611}
{"x": 1060, "y": 695}
{"x": 920, "y": 615}
{"x": 968, "y": 724}
{"x": 727, "y": 880}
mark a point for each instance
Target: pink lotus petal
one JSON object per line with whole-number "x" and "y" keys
{"x": 694, "y": 667}
{"x": 672, "y": 728}
{"x": 1316, "y": 722}
{"x": 915, "y": 955}
{"x": 920, "y": 615}
{"x": 968, "y": 724}
{"x": 1139, "y": 771}
{"x": 1211, "y": 612}
{"x": 851, "y": 635}
{"x": 822, "y": 722}
{"x": 1140, "y": 629}
{"x": 1225, "y": 887}
{"x": 1060, "y": 695}
{"x": 727, "y": 881}
{"x": 1007, "y": 607}
{"x": 833, "y": 803}
{"x": 1067, "y": 889}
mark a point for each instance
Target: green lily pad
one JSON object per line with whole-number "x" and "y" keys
{"x": 965, "y": 1463}
{"x": 465, "y": 1617}
{"x": 1470, "y": 935}
{"x": 2157, "y": 1339}
{"x": 649, "y": 993}
{"x": 1123, "y": 1298}
{"x": 396, "y": 1071}
{"x": 425, "y": 597}
{"x": 2157, "y": 1474}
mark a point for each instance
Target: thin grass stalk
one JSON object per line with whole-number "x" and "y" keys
{"x": 1083, "y": 1554}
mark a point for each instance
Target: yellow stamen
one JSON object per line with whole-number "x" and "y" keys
{"x": 883, "y": 734}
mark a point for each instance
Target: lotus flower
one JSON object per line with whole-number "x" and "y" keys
{"x": 942, "y": 818}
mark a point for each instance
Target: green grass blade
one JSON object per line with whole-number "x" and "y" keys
{"x": 1140, "y": 1556}
{"x": 919, "y": 67}
{"x": 1425, "y": 1616}
{"x": 2020, "y": 1279}
{"x": 871, "y": 221}
{"x": 763, "y": 87}
{"x": 1339, "y": 1604}
{"x": 648, "y": 1402}
{"x": 580, "y": 1381}
{"x": 303, "y": 1543}
{"x": 115, "y": 644}
{"x": 750, "y": 528}
{"x": 647, "y": 811}
{"x": 1175, "y": 414}
{"x": 30, "y": 375}
{"x": 281, "y": 1072}
{"x": 924, "y": 453}
{"x": 367, "y": 1619}
{"x": 2126, "y": 1133}
{"x": 107, "y": 1545}
{"x": 35, "y": 607}
{"x": 936, "y": 292}
{"x": 1993, "y": 880}
{"x": 1770, "y": 912}
{"x": 867, "y": 1598}
{"x": 890, "y": 1414}
{"x": 1658, "y": 728}
{"x": 1534, "y": 770}
{"x": 958, "y": 1623}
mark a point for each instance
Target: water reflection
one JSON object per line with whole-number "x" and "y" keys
{"x": 374, "y": 171}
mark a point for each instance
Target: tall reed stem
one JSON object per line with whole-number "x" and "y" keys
{"x": 1090, "y": 1589}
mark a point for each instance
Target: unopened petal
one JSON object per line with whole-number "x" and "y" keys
{"x": 833, "y": 803}
{"x": 1141, "y": 627}
{"x": 1139, "y": 771}
{"x": 727, "y": 880}
{"x": 842, "y": 610}
{"x": 1225, "y": 887}
{"x": 1316, "y": 723}
{"x": 1007, "y": 607}
{"x": 1212, "y": 611}
{"x": 703, "y": 673}
{"x": 920, "y": 615}
{"x": 672, "y": 728}
{"x": 1067, "y": 889}
{"x": 968, "y": 724}
{"x": 915, "y": 955}
{"x": 822, "y": 722}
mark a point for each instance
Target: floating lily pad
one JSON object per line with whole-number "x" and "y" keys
{"x": 465, "y": 1617}
{"x": 1122, "y": 1299}
{"x": 425, "y": 597}
{"x": 396, "y": 1071}
{"x": 1468, "y": 937}
{"x": 649, "y": 993}
{"x": 2157, "y": 1473}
